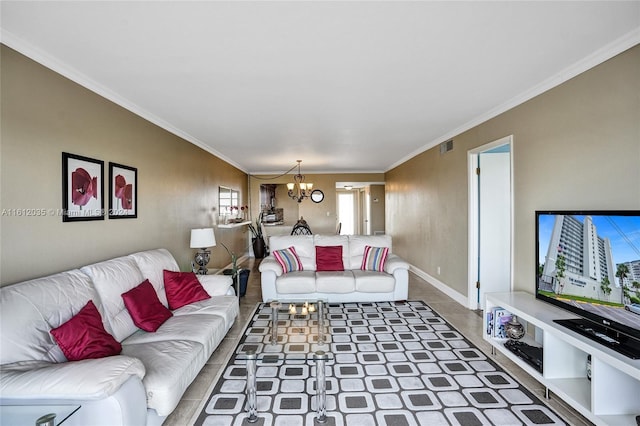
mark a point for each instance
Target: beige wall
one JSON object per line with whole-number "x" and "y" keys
{"x": 321, "y": 217}
{"x": 576, "y": 146}
{"x": 44, "y": 114}
{"x": 376, "y": 193}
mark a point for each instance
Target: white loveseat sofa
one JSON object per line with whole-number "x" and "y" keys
{"x": 350, "y": 285}
{"x": 146, "y": 381}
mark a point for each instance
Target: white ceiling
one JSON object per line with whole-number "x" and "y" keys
{"x": 344, "y": 86}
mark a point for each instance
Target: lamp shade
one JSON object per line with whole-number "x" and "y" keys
{"x": 202, "y": 238}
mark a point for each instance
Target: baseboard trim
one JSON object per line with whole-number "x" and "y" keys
{"x": 458, "y": 297}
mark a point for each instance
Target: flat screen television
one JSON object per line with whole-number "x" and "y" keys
{"x": 588, "y": 262}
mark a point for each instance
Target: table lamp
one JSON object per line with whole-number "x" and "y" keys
{"x": 202, "y": 239}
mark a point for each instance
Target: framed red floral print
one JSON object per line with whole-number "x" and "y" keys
{"x": 82, "y": 183}
{"x": 123, "y": 191}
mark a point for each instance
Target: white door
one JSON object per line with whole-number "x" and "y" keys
{"x": 347, "y": 213}
{"x": 494, "y": 223}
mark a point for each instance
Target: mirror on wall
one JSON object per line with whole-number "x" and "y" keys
{"x": 229, "y": 204}
{"x": 272, "y": 203}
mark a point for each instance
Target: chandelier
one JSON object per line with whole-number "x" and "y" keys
{"x": 299, "y": 190}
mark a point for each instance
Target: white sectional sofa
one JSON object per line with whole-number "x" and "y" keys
{"x": 351, "y": 285}
{"x": 143, "y": 384}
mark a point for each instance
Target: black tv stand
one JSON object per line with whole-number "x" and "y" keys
{"x": 608, "y": 337}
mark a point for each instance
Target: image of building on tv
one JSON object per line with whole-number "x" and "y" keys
{"x": 579, "y": 262}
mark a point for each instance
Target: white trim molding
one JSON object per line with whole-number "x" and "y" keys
{"x": 458, "y": 297}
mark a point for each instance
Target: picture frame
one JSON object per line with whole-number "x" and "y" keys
{"x": 123, "y": 191}
{"x": 82, "y": 188}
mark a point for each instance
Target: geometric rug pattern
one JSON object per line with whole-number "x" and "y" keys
{"x": 390, "y": 363}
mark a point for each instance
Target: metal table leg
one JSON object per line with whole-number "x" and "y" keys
{"x": 320, "y": 322}
{"x": 321, "y": 385}
{"x": 275, "y": 306}
{"x": 252, "y": 398}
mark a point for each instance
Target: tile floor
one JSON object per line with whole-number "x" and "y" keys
{"x": 467, "y": 322}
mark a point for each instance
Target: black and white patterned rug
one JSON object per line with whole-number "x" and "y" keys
{"x": 396, "y": 364}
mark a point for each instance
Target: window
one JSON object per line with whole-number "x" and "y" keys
{"x": 228, "y": 201}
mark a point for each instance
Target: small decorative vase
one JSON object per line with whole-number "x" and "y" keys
{"x": 513, "y": 329}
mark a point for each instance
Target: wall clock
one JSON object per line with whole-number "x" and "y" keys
{"x": 317, "y": 196}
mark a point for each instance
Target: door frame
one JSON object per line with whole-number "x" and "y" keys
{"x": 473, "y": 238}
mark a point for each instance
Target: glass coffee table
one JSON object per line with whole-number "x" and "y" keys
{"x": 295, "y": 318}
{"x": 294, "y": 333}
{"x": 39, "y": 414}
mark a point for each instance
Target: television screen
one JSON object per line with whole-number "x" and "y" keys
{"x": 588, "y": 262}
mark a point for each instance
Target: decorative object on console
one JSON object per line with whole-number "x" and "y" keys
{"x": 123, "y": 192}
{"x": 299, "y": 189}
{"x": 514, "y": 329}
{"x": 501, "y": 318}
{"x": 82, "y": 182}
{"x": 202, "y": 238}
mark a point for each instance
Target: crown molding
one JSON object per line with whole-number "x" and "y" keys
{"x": 596, "y": 58}
{"x": 48, "y": 61}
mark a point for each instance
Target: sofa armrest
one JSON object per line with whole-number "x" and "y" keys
{"x": 216, "y": 285}
{"x": 86, "y": 379}
{"x": 270, "y": 263}
{"x": 395, "y": 262}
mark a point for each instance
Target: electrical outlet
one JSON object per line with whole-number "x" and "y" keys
{"x": 438, "y": 270}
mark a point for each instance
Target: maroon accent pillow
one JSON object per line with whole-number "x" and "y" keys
{"x": 183, "y": 288}
{"x": 146, "y": 310}
{"x": 84, "y": 336}
{"x": 329, "y": 258}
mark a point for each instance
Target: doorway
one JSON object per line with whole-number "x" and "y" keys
{"x": 490, "y": 220}
{"x": 347, "y": 212}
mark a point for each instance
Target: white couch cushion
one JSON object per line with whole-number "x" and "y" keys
{"x": 171, "y": 367}
{"x": 335, "y": 282}
{"x": 29, "y": 310}
{"x": 226, "y": 307}
{"x": 86, "y": 379}
{"x": 305, "y": 249}
{"x": 151, "y": 264}
{"x": 207, "y": 330}
{"x": 215, "y": 285}
{"x": 297, "y": 282}
{"x": 112, "y": 278}
{"x": 357, "y": 244}
{"x": 373, "y": 282}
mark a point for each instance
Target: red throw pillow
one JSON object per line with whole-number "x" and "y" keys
{"x": 145, "y": 308}
{"x": 183, "y": 288}
{"x": 329, "y": 258}
{"x": 84, "y": 336}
